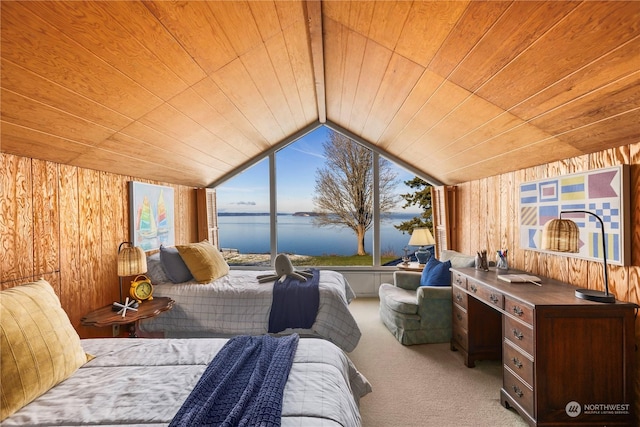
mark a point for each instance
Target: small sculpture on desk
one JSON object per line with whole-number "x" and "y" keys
{"x": 481, "y": 261}
{"x": 405, "y": 257}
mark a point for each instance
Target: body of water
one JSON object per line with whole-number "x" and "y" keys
{"x": 298, "y": 235}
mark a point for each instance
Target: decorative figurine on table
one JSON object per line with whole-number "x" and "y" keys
{"x": 405, "y": 257}
{"x": 481, "y": 261}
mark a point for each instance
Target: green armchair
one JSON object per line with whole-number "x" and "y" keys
{"x": 419, "y": 314}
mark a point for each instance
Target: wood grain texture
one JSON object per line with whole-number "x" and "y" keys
{"x": 470, "y": 88}
{"x": 64, "y": 223}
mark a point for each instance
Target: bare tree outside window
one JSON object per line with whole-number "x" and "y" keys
{"x": 344, "y": 188}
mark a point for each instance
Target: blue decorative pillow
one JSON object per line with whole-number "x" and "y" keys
{"x": 173, "y": 265}
{"x": 436, "y": 273}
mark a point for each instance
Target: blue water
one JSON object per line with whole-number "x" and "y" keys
{"x": 298, "y": 235}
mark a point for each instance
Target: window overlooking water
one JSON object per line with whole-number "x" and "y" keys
{"x": 329, "y": 212}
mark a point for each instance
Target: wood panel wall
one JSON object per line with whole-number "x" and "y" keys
{"x": 488, "y": 219}
{"x": 65, "y": 224}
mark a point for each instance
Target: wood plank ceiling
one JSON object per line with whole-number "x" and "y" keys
{"x": 185, "y": 92}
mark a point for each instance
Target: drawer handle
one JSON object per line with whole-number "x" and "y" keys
{"x": 493, "y": 298}
{"x": 517, "y": 362}
{"x": 473, "y": 288}
{"x": 459, "y": 316}
{"x": 517, "y": 311}
{"x": 519, "y": 335}
{"x": 517, "y": 390}
{"x": 458, "y": 297}
{"x": 458, "y": 281}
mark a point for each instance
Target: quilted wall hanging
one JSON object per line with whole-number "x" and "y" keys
{"x": 601, "y": 191}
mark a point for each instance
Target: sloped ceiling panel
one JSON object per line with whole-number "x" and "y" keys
{"x": 188, "y": 91}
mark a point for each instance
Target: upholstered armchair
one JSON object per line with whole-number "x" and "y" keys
{"x": 418, "y": 314}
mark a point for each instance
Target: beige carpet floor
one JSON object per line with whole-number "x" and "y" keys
{"x": 423, "y": 385}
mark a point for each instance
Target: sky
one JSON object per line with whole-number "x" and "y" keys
{"x": 249, "y": 191}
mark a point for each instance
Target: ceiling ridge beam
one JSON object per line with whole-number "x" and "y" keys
{"x": 313, "y": 12}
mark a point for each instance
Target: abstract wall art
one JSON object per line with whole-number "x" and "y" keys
{"x": 601, "y": 191}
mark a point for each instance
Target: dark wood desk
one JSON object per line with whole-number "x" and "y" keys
{"x": 105, "y": 316}
{"x": 566, "y": 361}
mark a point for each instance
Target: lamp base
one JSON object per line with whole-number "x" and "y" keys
{"x": 593, "y": 295}
{"x": 422, "y": 255}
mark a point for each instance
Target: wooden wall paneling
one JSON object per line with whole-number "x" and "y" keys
{"x": 16, "y": 219}
{"x": 46, "y": 230}
{"x": 463, "y": 208}
{"x": 508, "y": 215}
{"x": 494, "y": 224}
{"x": 114, "y": 213}
{"x": 70, "y": 260}
{"x": 86, "y": 292}
{"x": 518, "y": 255}
{"x": 473, "y": 227}
{"x": 482, "y": 216}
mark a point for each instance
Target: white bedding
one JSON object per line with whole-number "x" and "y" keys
{"x": 236, "y": 304}
{"x": 145, "y": 381}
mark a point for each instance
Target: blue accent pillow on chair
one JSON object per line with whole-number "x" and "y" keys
{"x": 436, "y": 273}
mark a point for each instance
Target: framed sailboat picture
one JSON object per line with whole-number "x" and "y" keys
{"x": 151, "y": 215}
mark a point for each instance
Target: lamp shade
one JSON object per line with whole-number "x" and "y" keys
{"x": 131, "y": 260}
{"x": 561, "y": 235}
{"x": 421, "y": 237}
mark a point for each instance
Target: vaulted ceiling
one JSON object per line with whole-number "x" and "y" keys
{"x": 186, "y": 92}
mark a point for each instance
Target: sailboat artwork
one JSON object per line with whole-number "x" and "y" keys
{"x": 151, "y": 215}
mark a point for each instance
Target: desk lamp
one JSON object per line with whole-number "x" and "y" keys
{"x": 562, "y": 235}
{"x": 421, "y": 237}
{"x": 131, "y": 261}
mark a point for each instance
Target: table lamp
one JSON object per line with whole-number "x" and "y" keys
{"x": 131, "y": 261}
{"x": 562, "y": 235}
{"x": 421, "y": 237}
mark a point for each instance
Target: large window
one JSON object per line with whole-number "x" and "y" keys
{"x": 333, "y": 206}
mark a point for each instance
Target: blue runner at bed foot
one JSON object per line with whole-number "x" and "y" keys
{"x": 295, "y": 303}
{"x": 243, "y": 384}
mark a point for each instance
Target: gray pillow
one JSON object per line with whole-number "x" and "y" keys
{"x": 155, "y": 272}
{"x": 173, "y": 265}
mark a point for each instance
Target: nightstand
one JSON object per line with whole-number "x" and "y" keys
{"x": 105, "y": 316}
{"x": 412, "y": 266}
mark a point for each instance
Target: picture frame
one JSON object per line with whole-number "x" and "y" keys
{"x": 151, "y": 215}
{"x": 605, "y": 192}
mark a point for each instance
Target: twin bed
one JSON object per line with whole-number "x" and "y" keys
{"x": 237, "y": 303}
{"x": 52, "y": 378}
{"x": 145, "y": 382}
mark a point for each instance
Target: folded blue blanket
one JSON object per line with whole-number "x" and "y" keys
{"x": 295, "y": 303}
{"x": 243, "y": 384}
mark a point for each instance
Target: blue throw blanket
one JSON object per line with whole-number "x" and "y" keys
{"x": 243, "y": 384}
{"x": 295, "y": 303}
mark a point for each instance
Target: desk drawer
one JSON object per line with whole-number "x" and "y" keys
{"x": 520, "y": 335}
{"x": 491, "y": 297}
{"x": 458, "y": 280}
{"x": 461, "y": 337}
{"x": 459, "y": 316}
{"x": 519, "y": 391}
{"x": 518, "y": 363}
{"x": 459, "y": 297}
{"x": 519, "y": 310}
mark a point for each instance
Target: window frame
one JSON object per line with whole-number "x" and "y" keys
{"x": 377, "y": 153}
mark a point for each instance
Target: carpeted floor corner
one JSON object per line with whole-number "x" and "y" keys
{"x": 423, "y": 385}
